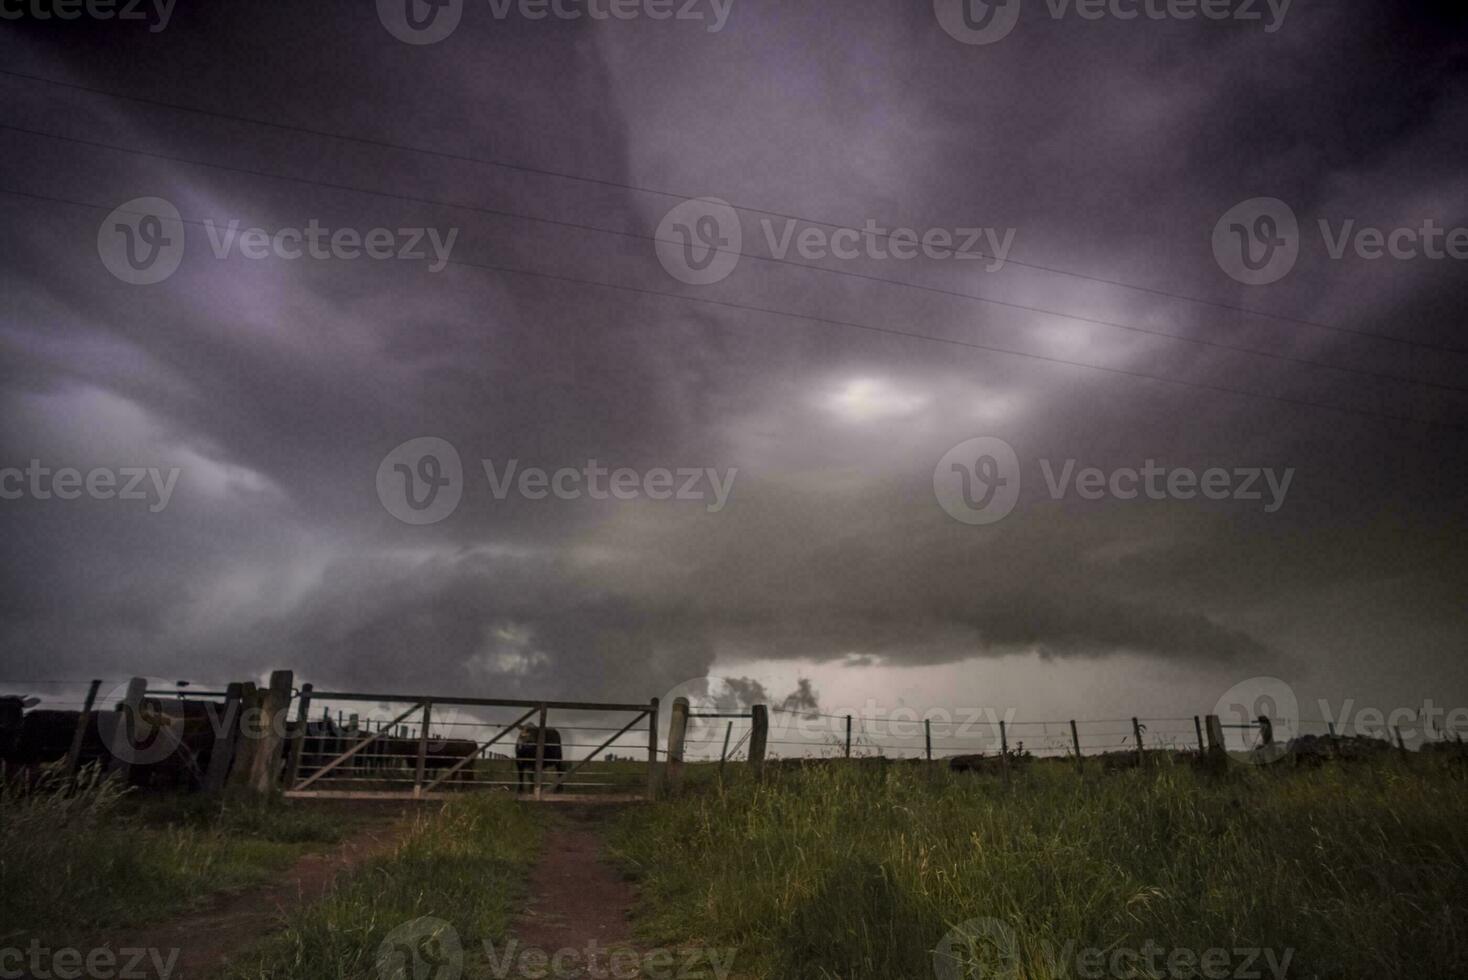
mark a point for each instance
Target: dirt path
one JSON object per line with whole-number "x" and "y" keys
{"x": 207, "y": 938}
{"x": 578, "y": 907}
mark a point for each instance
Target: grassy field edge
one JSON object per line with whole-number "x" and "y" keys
{"x": 865, "y": 870}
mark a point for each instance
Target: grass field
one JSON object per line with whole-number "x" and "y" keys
{"x": 459, "y": 872}
{"x": 861, "y": 871}
{"x": 102, "y": 857}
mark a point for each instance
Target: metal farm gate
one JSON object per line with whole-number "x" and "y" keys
{"x": 398, "y": 746}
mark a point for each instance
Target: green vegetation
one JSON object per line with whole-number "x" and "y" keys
{"x": 464, "y": 864}
{"x": 858, "y": 870}
{"x": 99, "y": 856}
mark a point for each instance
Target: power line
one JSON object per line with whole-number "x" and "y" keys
{"x": 642, "y": 189}
{"x": 831, "y": 321}
{"x": 49, "y": 683}
{"x": 502, "y": 213}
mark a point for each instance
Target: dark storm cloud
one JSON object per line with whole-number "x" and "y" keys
{"x": 1110, "y": 148}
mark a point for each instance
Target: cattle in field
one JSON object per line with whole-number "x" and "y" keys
{"x": 31, "y": 737}
{"x": 46, "y": 734}
{"x": 171, "y": 740}
{"x": 979, "y": 762}
{"x": 189, "y": 729}
{"x": 975, "y": 762}
{"x": 525, "y": 752}
{"x": 444, "y": 754}
{"x": 12, "y": 719}
{"x": 387, "y": 757}
{"x": 398, "y": 755}
{"x": 170, "y": 744}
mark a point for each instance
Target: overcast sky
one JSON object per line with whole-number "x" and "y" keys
{"x": 1101, "y": 154}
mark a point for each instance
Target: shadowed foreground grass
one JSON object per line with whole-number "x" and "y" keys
{"x": 100, "y": 856}
{"x": 859, "y": 871}
{"x": 455, "y": 880}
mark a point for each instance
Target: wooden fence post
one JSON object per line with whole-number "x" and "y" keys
{"x": 245, "y": 736}
{"x": 1137, "y": 734}
{"x": 1267, "y": 747}
{"x": 677, "y": 739}
{"x": 265, "y": 760}
{"x": 928, "y": 737}
{"x": 422, "y": 766}
{"x": 1075, "y": 740}
{"x": 759, "y": 733}
{"x": 126, "y": 727}
{"x": 1217, "y": 752}
{"x": 654, "y": 784}
{"x": 74, "y": 754}
{"x": 1202, "y": 746}
{"x": 848, "y": 737}
{"x": 539, "y": 751}
{"x": 226, "y": 732}
{"x": 1003, "y": 750}
{"x": 728, "y": 731}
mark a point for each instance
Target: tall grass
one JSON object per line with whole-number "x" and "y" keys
{"x": 858, "y": 871}
{"x": 89, "y": 856}
{"x": 464, "y": 864}
{"x": 243, "y": 814}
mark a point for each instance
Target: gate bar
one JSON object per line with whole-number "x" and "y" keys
{"x": 355, "y": 749}
{"x": 422, "y": 748}
{"x": 418, "y": 699}
{"x": 566, "y": 774}
{"x": 654, "y": 784}
{"x": 539, "y": 751}
{"x": 298, "y": 738}
{"x": 469, "y": 758}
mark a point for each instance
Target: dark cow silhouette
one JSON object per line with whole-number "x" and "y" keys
{"x": 187, "y": 730}
{"x": 389, "y": 757}
{"x": 12, "y": 721}
{"x": 445, "y": 753}
{"x": 525, "y": 756}
{"x": 31, "y": 737}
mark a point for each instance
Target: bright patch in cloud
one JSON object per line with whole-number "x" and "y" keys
{"x": 873, "y": 399}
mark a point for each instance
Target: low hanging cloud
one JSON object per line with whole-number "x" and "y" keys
{"x": 277, "y": 388}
